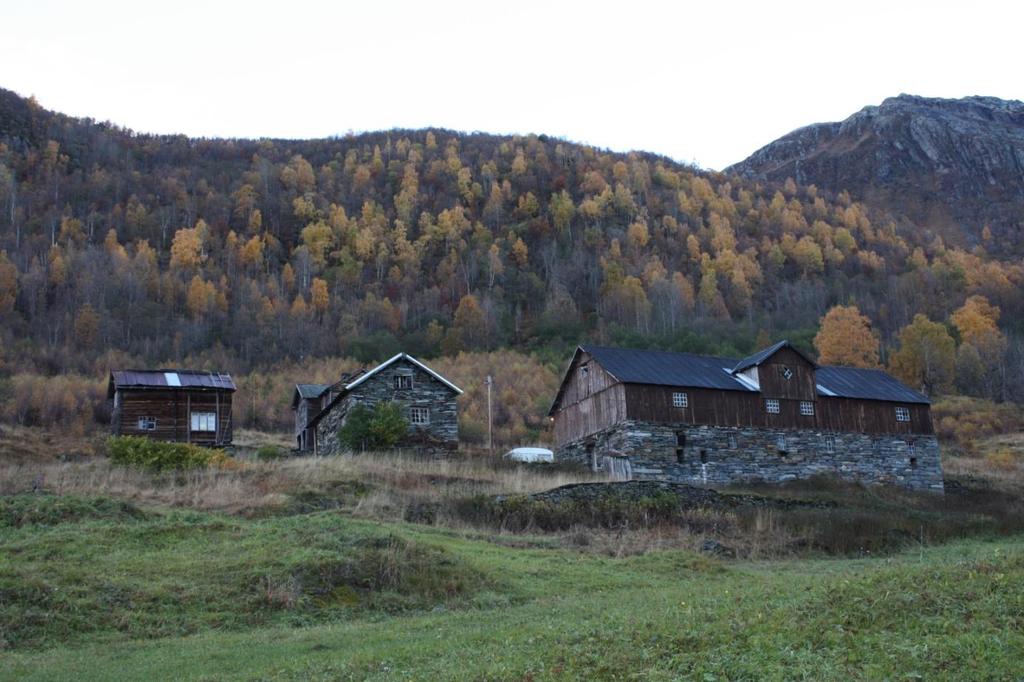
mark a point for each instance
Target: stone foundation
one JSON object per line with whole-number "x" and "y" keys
{"x": 713, "y": 455}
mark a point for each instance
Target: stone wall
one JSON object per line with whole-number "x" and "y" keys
{"x": 709, "y": 455}
{"x": 426, "y": 392}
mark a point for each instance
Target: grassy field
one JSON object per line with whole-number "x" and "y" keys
{"x": 313, "y": 569}
{"x": 94, "y": 589}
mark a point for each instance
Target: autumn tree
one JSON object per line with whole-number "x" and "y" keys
{"x": 926, "y": 358}
{"x": 469, "y": 327}
{"x": 8, "y": 283}
{"x": 319, "y": 297}
{"x": 86, "y": 326}
{"x": 846, "y": 338}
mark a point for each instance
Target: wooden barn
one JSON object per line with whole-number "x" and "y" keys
{"x": 773, "y": 416}
{"x": 180, "y": 405}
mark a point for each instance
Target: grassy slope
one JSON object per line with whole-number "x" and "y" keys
{"x": 493, "y": 613}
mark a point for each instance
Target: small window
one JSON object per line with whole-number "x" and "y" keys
{"x": 204, "y": 421}
{"x": 787, "y": 373}
{"x": 680, "y": 400}
{"x": 403, "y": 382}
{"x": 902, "y": 414}
{"x": 733, "y": 441}
{"x": 807, "y": 408}
{"x": 830, "y": 445}
{"x": 772, "y": 406}
{"x": 147, "y": 424}
{"x": 781, "y": 445}
{"x": 419, "y": 416}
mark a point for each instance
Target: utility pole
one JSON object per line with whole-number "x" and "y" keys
{"x": 490, "y": 420}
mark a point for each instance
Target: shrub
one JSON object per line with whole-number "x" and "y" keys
{"x": 269, "y": 452}
{"x": 158, "y": 456}
{"x": 378, "y": 428}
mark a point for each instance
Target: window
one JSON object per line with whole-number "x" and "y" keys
{"x": 733, "y": 442}
{"x": 680, "y": 400}
{"x": 902, "y": 414}
{"x": 147, "y": 424}
{"x": 780, "y": 444}
{"x": 204, "y": 421}
{"x": 830, "y": 445}
{"x": 787, "y": 373}
{"x": 403, "y": 382}
{"x": 419, "y": 416}
{"x": 772, "y": 406}
{"x": 807, "y": 408}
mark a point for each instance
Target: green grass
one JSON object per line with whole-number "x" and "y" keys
{"x": 184, "y": 595}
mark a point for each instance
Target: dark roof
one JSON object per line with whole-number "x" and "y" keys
{"x": 667, "y": 369}
{"x": 310, "y": 391}
{"x": 867, "y": 384}
{"x": 760, "y": 356}
{"x": 170, "y": 378}
{"x": 685, "y": 370}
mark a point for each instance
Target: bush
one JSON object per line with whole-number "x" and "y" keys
{"x": 378, "y": 428}
{"x": 269, "y": 452}
{"x": 159, "y": 456}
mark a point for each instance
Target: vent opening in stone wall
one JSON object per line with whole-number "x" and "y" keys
{"x": 680, "y": 446}
{"x": 703, "y": 456}
{"x": 733, "y": 441}
{"x": 830, "y": 444}
{"x": 781, "y": 446}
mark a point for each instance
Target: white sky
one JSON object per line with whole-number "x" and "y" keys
{"x": 705, "y": 82}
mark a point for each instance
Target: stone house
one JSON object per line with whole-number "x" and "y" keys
{"x": 427, "y": 399}
{"x": 774, "y": 416}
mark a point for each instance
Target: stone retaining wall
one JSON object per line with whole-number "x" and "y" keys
{"x": 712, "y": 455}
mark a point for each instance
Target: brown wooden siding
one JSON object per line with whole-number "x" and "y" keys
{"x": 171, "y": 409}
{"x": 774, "y": 384}
{"x": 739, "y": 408}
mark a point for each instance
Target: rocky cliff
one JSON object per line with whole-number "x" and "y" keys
{"x": 952, "y": 164}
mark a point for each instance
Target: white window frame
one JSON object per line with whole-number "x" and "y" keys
{"x": 146, "y": 424}
{"x": 830, "y": 445}
{"x": 807, "y": 408}
{"x": 419, "y": 416}
{"x": 203, "y": 422}
{"x": 902, "y": 414}
{"x": 680, "y": 400}
{"x": 403, "y": 382}
{"x": 771, "y": 406}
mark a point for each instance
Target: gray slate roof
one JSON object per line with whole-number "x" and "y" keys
{"x": 170, "y": 378}
{"x": 664, "y": 368}
{"x": 310, "y": 391}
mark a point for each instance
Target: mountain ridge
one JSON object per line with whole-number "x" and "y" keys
{"x": 956, "y": 165}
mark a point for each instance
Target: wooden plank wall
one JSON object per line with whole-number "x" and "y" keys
{"x": 738, "y": 408}
{"x": 592, "y": 400}
{"x": 171, "y": 411}
{"x": 801, "y": 386}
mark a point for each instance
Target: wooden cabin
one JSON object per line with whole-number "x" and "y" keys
{"x": 181, "y": 405}
{"x": 773, "y": 416}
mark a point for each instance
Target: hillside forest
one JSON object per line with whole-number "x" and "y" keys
{"x": 293, "y": 260}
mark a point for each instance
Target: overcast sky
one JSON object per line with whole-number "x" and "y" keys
{"x": 705, "y": 82}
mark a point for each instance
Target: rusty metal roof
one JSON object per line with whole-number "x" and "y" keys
{"x": 171, "y": 378}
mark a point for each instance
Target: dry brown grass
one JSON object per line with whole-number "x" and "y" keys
{"x": 378, "y": 485}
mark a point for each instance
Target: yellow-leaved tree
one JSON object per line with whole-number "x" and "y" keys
{"x": 926, "y": 358}
{"x": 846, "y": 338}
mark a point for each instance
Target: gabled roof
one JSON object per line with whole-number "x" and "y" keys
{"x": 361, "y": 377}
{"x": 758, "y": 358}
{"x": 685, "y": 370}
{"x": 311, "y": 391}
{"x": 169, "y": 379}
{"x": 403, "y": 356}
{"x": 667, "y": 368}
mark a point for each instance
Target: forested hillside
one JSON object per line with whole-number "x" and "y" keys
{"x": 124, "y": 248}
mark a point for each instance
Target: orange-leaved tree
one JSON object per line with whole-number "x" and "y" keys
{"x": 846, "y": 338}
